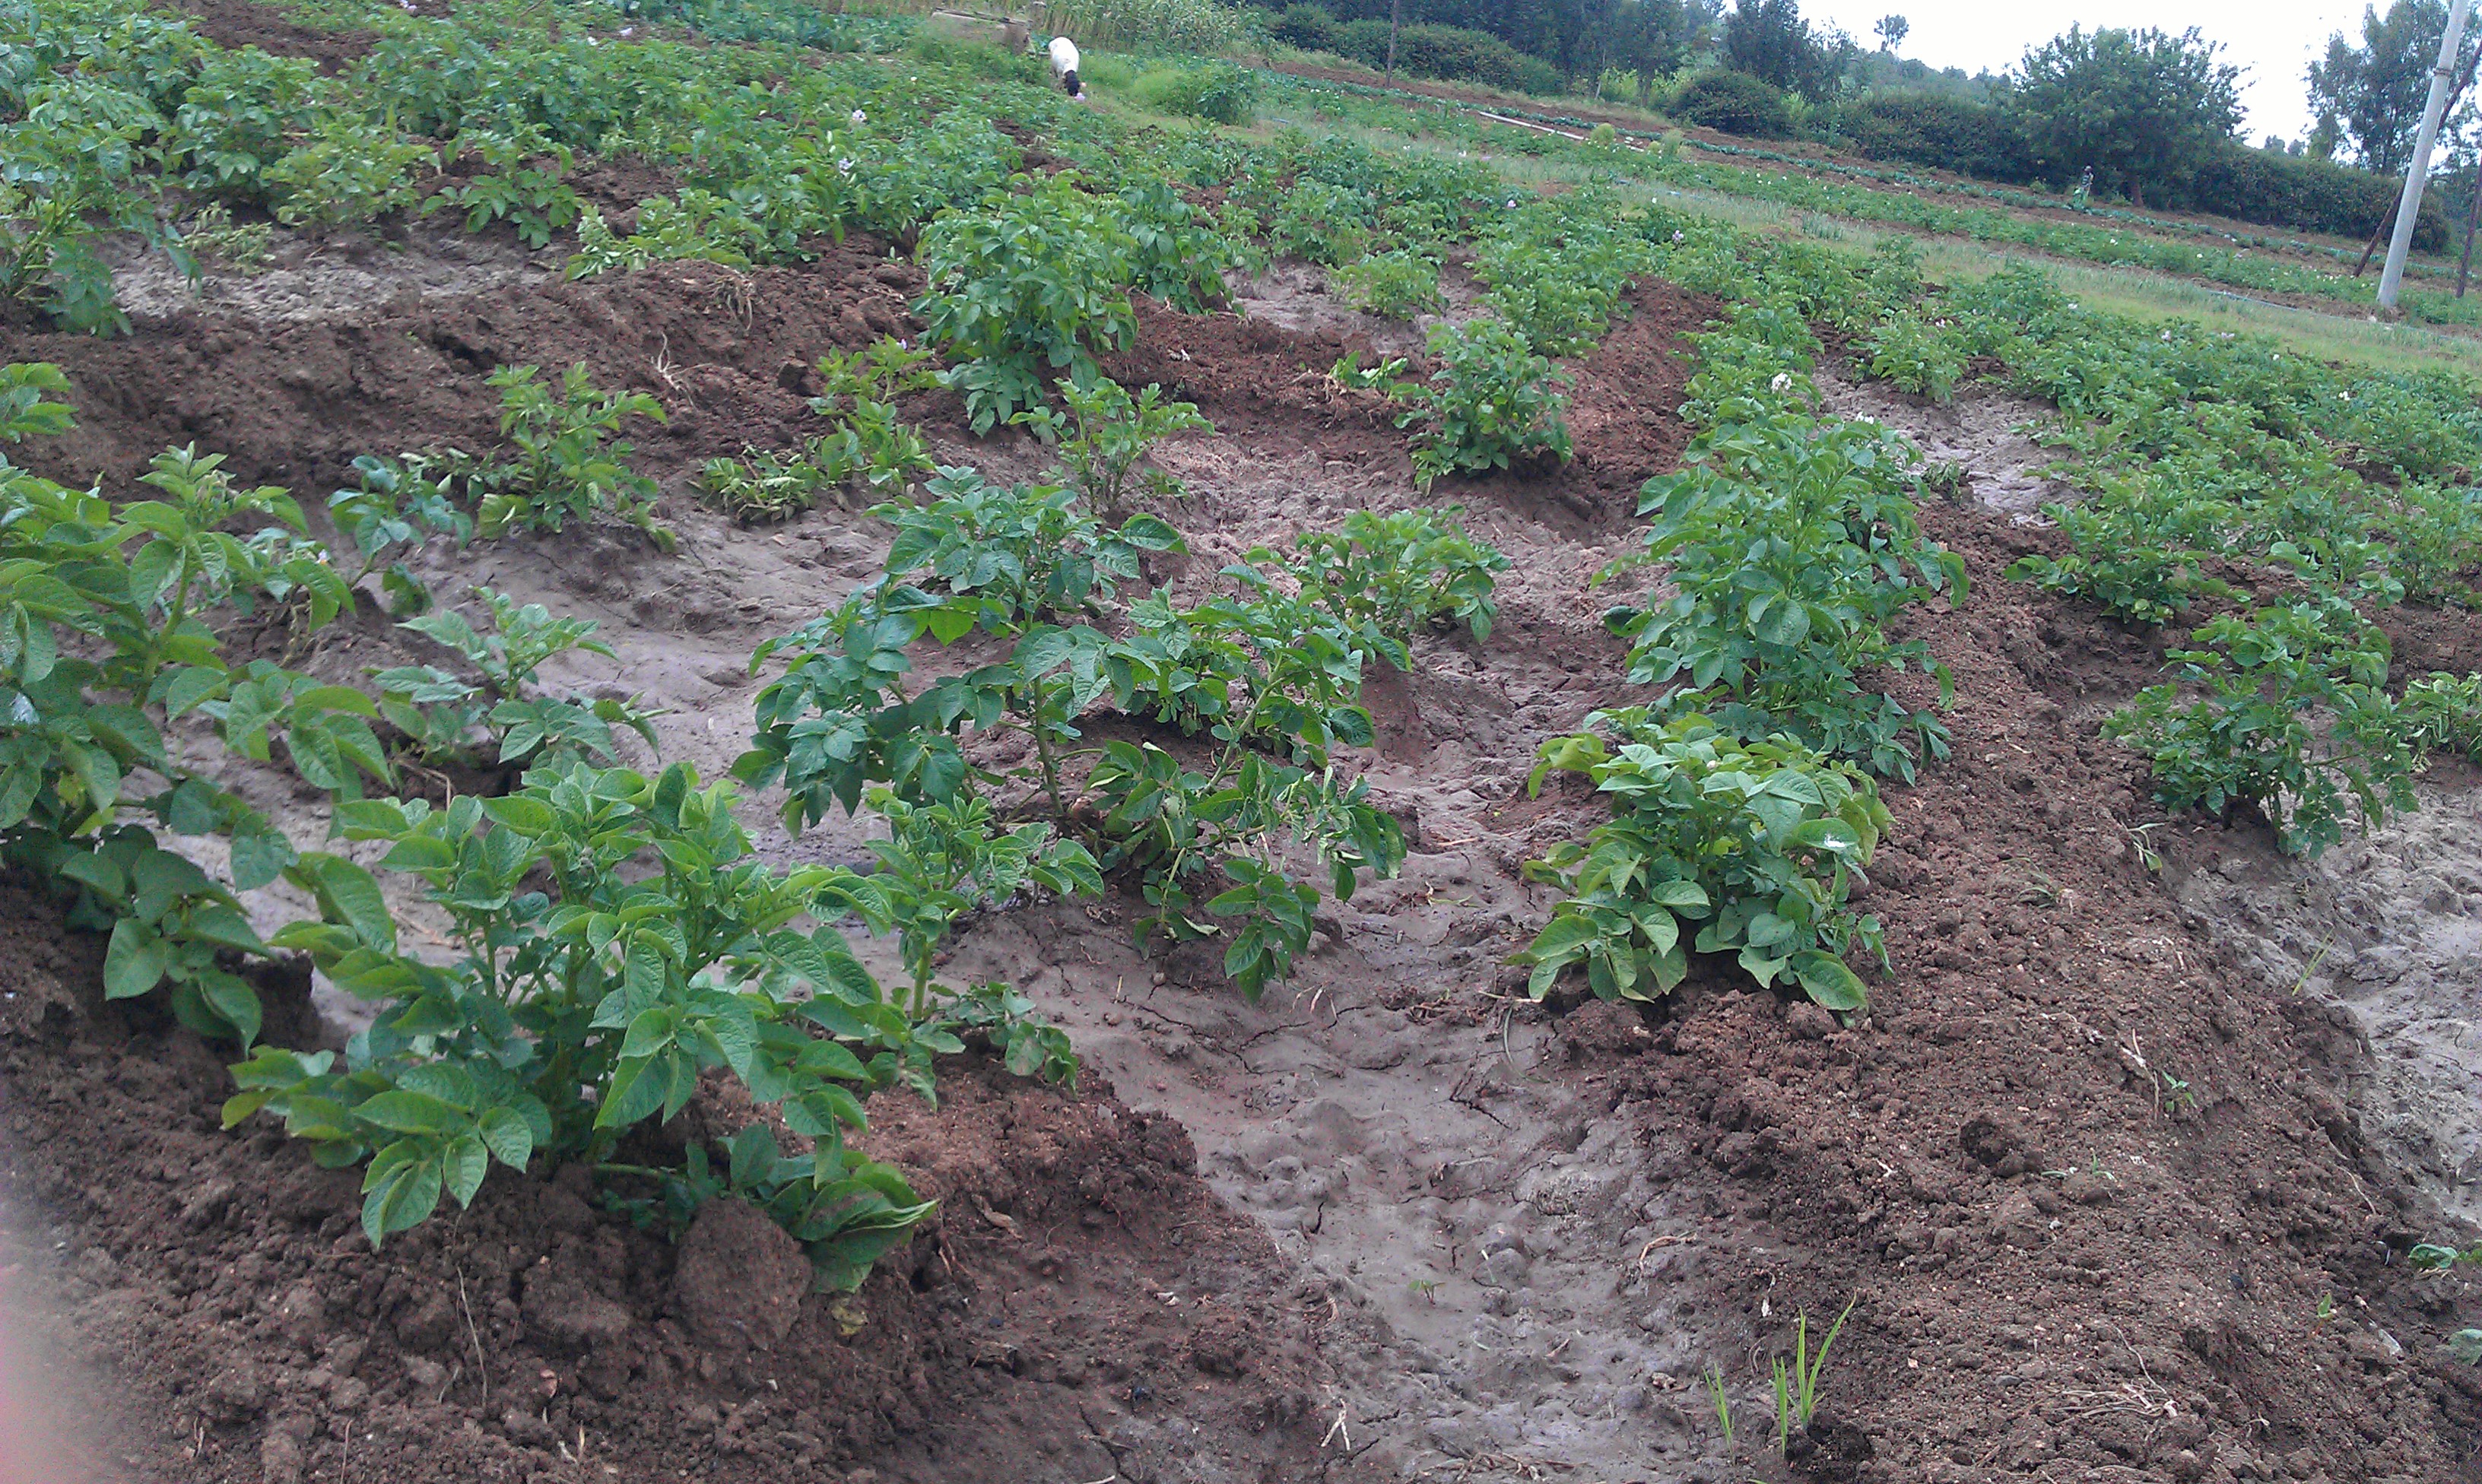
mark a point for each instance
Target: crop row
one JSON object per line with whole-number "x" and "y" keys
{"x": 584, "y": 999}
{"x": 2261, "y": 265}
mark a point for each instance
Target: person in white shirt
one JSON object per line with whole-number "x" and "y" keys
{"x": 1063, "y": 66}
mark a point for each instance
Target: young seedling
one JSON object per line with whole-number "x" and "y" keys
{"x": 1797, "y": 1386}
{"x": 1722, "y": 1403}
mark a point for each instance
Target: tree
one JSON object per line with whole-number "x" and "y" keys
{"x": 1651, "y": 37}
{"x": 1769, "y": 40}
{"x": 1892, "y": 31}
{"x": 2141, "y": 109}
{"x": 2373, "y": 93}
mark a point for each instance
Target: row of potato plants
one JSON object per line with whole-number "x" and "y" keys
{"x": 2288, "y": 499}
{"x": 612, "y": 934}
{"x": 2240, "y": 261}
{"x": 1745, "y": 792}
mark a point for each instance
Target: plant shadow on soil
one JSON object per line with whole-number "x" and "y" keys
{"x": 1395, "y": 1220}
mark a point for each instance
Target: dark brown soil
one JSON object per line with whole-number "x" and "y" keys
{"x": 1273, "y": 387}
{"x": 729, "y": 354}
{"x": 239, "y": 23}
{"x": 2088, "y": 1183}
{"x": 1076, "y": 1282}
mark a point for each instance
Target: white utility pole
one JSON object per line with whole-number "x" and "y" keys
{"x": 2409, "y": 205}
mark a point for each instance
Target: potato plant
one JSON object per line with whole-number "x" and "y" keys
{"x": 105, "y": 644}
{"x": 1254, "y": 691}
{"x": 394, "y": 506}
{"x": 1105, "y": 436}
{"x": 1402, "y": 571}
{"x": 866, "y": 441}
{"x": 1399, "y": 285}
{"x": 586, "y": 998}
{"x": 2289, "y": 716}
{"x": 448, "y": 720}
{"x": 1788, "y": 544}
{"x": 1023, "y": 291}
{"x": 1749, "y": 844}
{"x": 564, "y": 463}
{"x": 1488, "y": 405}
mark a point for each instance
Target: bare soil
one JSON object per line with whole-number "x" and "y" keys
{"x": 2086, "y": 1170}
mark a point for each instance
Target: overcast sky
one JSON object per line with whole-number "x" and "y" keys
{"x": 2272, "y": 40}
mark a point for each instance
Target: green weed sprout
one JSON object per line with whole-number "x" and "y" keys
{"x": 1797, "y": 1386}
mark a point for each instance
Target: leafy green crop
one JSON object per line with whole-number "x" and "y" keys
{"x": 2288, "y": 717}
{"x": 1557, "y": 269}
{"x": 104, "y": 645}
{"x": 526, "y": 184}
{"x": 1914, "y": 356}
{"x": 1488, "y": 405}
{"x": 1788, "y": 543}
{"x": 2443, "y": 713}
{"x": 566, "y": 465}
{"x": 1752, "y": 842}
{"x": 859, "y": 395}
{"x": 1399, "y": 285}
{"x": 395, "y": 506}
{"x": 441, "y": 714}
{"x": 1254, "y": 691}
{"x": 2140, "y": 551}
{"x": 1106, "y": 438}
{"x": 1021, "y": 289}
{"x": 588, "y": 997}
{"x": 1400, "y": 572}
{"x": 866, "y": 440}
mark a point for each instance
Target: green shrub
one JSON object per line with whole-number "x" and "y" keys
{"x": 1489, "y": 403}
{"x": 2309, "y": 194}
{"x": 1940, "y": 130}
{"x": 1307, "y": 27}
{"x": 1194, "y": 27}
{"x": 1451, "y": 53}
{"x": 1752, "y": 842}
{"x": 1734, "y": 103}
{"x": 1215, "y": 89}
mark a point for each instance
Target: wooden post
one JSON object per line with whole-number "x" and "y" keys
{"x": 1395, "y": 15}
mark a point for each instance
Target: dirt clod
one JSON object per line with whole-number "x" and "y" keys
{"x": 740, "y": 1277}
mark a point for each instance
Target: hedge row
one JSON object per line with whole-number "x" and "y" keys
{"x": 2248, "y": 184}
{"x": 1447, "y": 52}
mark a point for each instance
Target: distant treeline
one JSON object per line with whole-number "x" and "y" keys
{"x": 2234, "y": 180}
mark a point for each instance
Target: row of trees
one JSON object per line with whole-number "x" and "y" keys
{"x": 2144, "y": 114}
